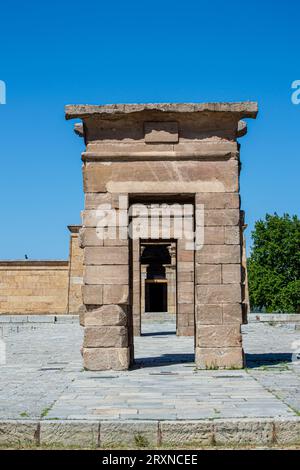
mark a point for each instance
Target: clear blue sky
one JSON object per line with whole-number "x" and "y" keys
{"x": 56, "y": 53}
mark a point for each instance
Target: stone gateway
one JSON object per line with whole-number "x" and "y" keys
{"x": 162, "y": 227}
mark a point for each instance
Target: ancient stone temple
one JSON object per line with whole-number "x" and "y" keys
{"x": 162, "y": 227}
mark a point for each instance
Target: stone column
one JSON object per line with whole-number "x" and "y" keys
{"x": 75, "y": 271}
{"x": 218, "y": 283}
{"x": 106, "y": 284}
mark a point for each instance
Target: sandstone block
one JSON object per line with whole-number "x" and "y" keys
{"x": 209, "y": 314}
{"x": 221, "y": 336}
{"x": 214, "y": 235}
{"x": 231, "y": 273}
{"x": 106, "y": 315}
{"x": 161, "y": 176}
{"x": 69, "y": 433}
{"x": 116, "y": 433}
{"x": 218, "y": 254}
{"x": 218, "y": 200}
{"x": 182, "y": 433}
{"x": 105, "y": 337}
{"x": 185, "y": 266}
{"x": 185, "y": 277}
{"x": 106, "y": 358}
{"x": 106, "y": 274}
{"x": 104, "y": 218}
{"x": 185, "y": 330}
{"x": 19, "y": 433}
{"x": 247, "y": 431}
{"x": 115, "y": 294}
{"x": 92, "y": 295}
{"x": 212, "y": 294}
{"x": 221, "y": 217}
{"x": 287, "y": 431}
{"x": 232, "y": 235}
{"x": 93, "y": 200}
{"x": 185, "y": 255}
{"x": 103, "y": 255}
{"x": 90, "y": 237}
{"x": 208, "y": 274}
{"x": 185, "y": 292}
{"x": 187, "y": 308}
{"x": 210, "y": 358}
{"x": 81, "y": 312}
{"x": 232, "y": 313}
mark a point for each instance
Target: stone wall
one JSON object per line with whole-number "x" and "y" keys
{"x": 33, "y": 287}
{"x": 41, "y": 286}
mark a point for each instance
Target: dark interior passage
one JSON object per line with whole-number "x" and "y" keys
{"x": 156, "y": 297}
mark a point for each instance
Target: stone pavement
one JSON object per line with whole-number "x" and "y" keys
{"x": 43, "y": 378}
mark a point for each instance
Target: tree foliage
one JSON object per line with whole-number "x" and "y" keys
{"x": 274, "y": 264}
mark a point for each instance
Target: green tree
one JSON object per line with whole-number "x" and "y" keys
{"x": 274, "y": 264}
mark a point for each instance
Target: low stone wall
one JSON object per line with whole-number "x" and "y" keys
{"x": 34, "y": 287}
{"x": 274, "y": 317}
{"x": 112, "y": 434}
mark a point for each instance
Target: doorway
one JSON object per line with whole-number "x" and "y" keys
{"x": 156, "y": 296}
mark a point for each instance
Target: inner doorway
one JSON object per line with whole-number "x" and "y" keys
{"x": 156, "y": 296}
{"x": 158, "y": 282}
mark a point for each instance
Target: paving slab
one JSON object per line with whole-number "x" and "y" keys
{"x": 43, "y": 378}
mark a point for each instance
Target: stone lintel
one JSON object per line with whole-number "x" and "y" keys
{"x": 246, "y": 109}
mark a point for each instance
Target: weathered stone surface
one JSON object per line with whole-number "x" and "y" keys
{"x": 208, "y": 274}
{"x": 246, "y": 431}
{"x": 115, "y": 294}
{"x": 106, "y": 274}
{"x": 102, "y": 218}
{"x": 159, "y": 132}
{"x": 209, "y": 314}
{"x": 188, "y": 432}
{"x": 214, "y": 358}
{"x": 185, "y": 292}
{"x": 287, "y": 431}
{"x": 222, "y": 336}
{"x": 242, "y": 109}
{"x": 214, "y": 235}
{"x": 34, "y": 287}
{"x": 70, "y": 433}
{"x": 105, "y": 337}
{"x": 106, "y": 315}
{"x": 218, "y": 200}
{"x": 185, "y": 255}
{"x": 218, "y": 254}
{"x": 221, "y": 217}
{"x": 106, "y": 358}
{"x": 90, "y": 237}
{"x": 232, "y": 313}
{"x": 103, "y": 255}
{"x": 92, "y": 295}
{"x": 19, "y": 433}
{"x": 225, "y": 293}
{"x": 188, "y": 330}
{"x": 129, "y": 433}
{"x": 232, "y": 235}
{"x": 159, "y": 177}
{"x": 231, "y": 273}
{"x": 94, "y": 200}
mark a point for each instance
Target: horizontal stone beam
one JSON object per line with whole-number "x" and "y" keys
{"x": 242, "y": 109}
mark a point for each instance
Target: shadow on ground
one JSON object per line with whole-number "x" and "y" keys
{"x": 268, "y": 359}
{"x": 163, "y": 360}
